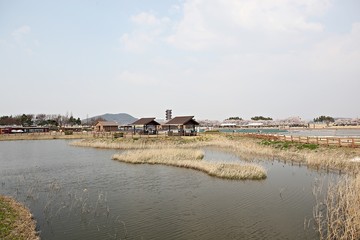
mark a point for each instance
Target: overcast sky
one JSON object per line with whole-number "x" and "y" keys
{"x": 209, "y": 58}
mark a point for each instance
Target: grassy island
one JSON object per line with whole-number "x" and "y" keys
{"x": 191, "y": 158}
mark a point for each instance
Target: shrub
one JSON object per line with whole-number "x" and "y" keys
{"x": 118, "y": 134}
{"x": 212, "y": 131}
{"x": 310, "y": 146}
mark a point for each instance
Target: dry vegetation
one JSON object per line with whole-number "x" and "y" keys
{"x": 16, "y": 221}
{"x": 42, "y": 136}
{"x": 314, "y": 156}
{"x": 338, "y": 215}
{"x": 144, "y": 143}
{"x": 321, "y": 157}
{"x": 175, "y": 151}
{"x": 191, "y": 158}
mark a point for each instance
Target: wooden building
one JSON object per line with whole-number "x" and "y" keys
{"x": 104, "y": 126}
{"x": 185, "y": 126}
{"x": 148, "y": 125}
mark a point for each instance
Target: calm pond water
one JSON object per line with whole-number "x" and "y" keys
{"x": 80, "y": 193}
{"x": 253, "y": 130}
{"x": 325, "y": 132}
{"x": 298, "y": 132}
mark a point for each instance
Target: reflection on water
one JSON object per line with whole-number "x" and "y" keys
{"x": 80, "y": 193}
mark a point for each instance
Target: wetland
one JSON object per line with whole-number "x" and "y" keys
{"x": 81, "y": 193}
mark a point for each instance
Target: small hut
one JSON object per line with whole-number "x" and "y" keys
{"x": 104, "y": 126}
{"x": 149, "y": 125}
{"x": 185, "y": 125}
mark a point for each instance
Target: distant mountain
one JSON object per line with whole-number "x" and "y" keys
{"x": 120, "y": 118}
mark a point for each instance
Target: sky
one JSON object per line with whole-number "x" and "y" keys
{"x": 212, "y": 59}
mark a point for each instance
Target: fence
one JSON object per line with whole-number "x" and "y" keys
{"x": 329, "y": 141}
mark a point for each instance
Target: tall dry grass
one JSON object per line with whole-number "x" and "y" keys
{"x": 329, "y": 158}
{"x": 161, "y": 155}
{"x": 190, "y": 158}
{"x": 338, "y": 215}
{"x": 160, "y": 142}
{"x": 42, "y": 136}
{"x": 245, "y": 147}
{"x": 249, "y": 149}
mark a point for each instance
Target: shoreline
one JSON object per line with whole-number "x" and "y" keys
{"x": 42, "y": 136}
{"x": 16, "y": 220}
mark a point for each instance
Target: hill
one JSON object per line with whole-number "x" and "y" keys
{"x": 120, "y": 118}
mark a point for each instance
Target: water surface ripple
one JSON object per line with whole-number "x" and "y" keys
{"x": 80, "y": 193}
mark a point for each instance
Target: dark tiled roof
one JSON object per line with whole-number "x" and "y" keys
{"x": 103, "y": 123}
{"x": 183, "y": 120}
{"x": 145, "y": 121}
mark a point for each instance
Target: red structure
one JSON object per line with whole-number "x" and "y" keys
{"x": 19, "y": 129}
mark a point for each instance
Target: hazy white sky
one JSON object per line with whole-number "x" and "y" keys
{"x": 209, "y": 58}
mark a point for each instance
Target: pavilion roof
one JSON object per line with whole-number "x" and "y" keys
{"x": 145, "y": 121}
{"x": 182, "y": 120}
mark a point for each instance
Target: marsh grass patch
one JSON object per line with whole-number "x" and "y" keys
{"x": 284, "y": 145}
{"x": 192, "y": 159}
{"x": 16, "y": 221}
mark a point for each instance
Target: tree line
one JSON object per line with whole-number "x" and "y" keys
{"x": 27, "y": 120}
{"x": 326, "y": 119}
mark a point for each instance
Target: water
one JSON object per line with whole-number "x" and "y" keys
{"x": 253, "y": 130}
{"x": 301, "y": 132}
{"x": 325, "y": 132}
{"x": 80, "y": 193}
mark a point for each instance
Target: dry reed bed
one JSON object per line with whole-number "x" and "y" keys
{"x": 191, "y": 158}
{"x": 14, "y": 137}
{"x": 338, "y": 216}
{"x": 143, "y": 143}
{"x": 247, "y": 148}
{"x": 330, "y": 158}
{"x": 16, "y": 221}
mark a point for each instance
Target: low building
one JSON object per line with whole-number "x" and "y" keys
{"x": 185, "y": 126}
{"x": 228, "y": 125}
{"x": 147, "y": 125}
{"x": 255, "y": 125}
{"x": 104, "y": 126}
{"x": 20, "y": 129}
